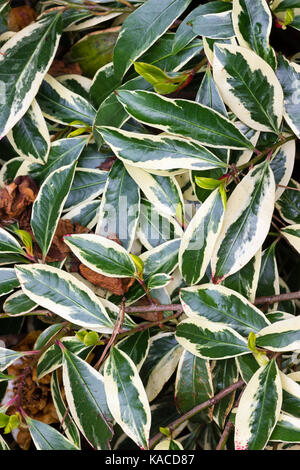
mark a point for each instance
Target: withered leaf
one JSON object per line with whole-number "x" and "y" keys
{"x": 19, "y": 17}
{"x": 116, "y": 285}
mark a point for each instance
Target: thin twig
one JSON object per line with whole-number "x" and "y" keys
{"x": 227, "y": 430}
{"x": 277, "y": 298}
{"x": 116, "y": 331}
{"x": 212, "y": 401}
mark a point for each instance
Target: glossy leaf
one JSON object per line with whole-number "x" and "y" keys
{"x": 163, "y": 191}
{"x": 126, "y": 397}
{"x": 148, "y": 23}
{"x": 30, "y": 136}
{"x": 102, "y": 255}
{"x": 219, "y": 304}
{"x": 31, "y": 52}
{"x": 210, "y": 340}
{"x": 152, "y": 151}
{"x": 292, "y": 234}
{"x": 288, "y": 74}
{"x": 85, "y": 394}
{"x": 259, "y": 409}
{"x": 161, "y": 362}
{"x": 214, "y": 21}
{"x": 120, "y": 206}
{"x": 252, "y": 22}
{"x": 280, "y": 336}
{"x": 246, "y": 223}
{"x": 48, "y": 205}
{"x": 249, "y": 86}
{"x": 67, "y": 423}
{"x": 62, "y": 105}
{"x": 184, "y": 118}
{"x": 45, "y": 437}
{"x": 198, "y": 241}
{"x": 62, "y": 294}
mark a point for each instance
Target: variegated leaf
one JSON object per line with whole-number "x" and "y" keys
{"x": 240, "y": 157}
{"x": 52, "y": 358}
{"x": 247, "y": 221}
{"x": 198, "y": 241}
{"x": 85, "y": 214}
{"x": 63, "y": 152}
{"x": 48, "y": 205}
{"x": 164, "y": 151}
{"x": 290, "y": 396}
{"x": 168, "y": 444}
{"x": 68, "y": 424}
{"x": 287, "y": 429}
{"x": 288, "y": 74}
{"x": 111, "y": 112}
{"x": 280, "y": 336}
{"x": 8, "y": 244}
{"x": 62, "y": 294}
{"x": 8, "y": 356}
{"x": 136, "y": 346}
{"x": 18, "y": 304}
{"x": 249, "y": 86}
{"x": 102, "y": 255}
{"x": 8, "y": 280}
{"x": 247, "y": 366}
{"x": 184, "y": 33}
{"x": 155, "y": 229}
{"x": 158, "y": 281}
{"x": 3, "y": 444}
{"x": 87, "y": 185}
{"x": 282, "y": 165}
{"x": 210, "y": 340}
{"x": 214, "y": 21}
{"x": 259, "y": 409}
{"x": 147, "y": 23}
{"x": 219, "y": 304}
{"x": 288, "y": 204}
{"x": 252, "y": 22}
{"x": 245, "y": 280}
{"x": 292, "y": 234}
{"x": 184, "y": 118}
{"x": 45, "y": 437}
{"x": 85, "y": 394}
{"x": 126, "y": 397}
{"x": 30, "y": 136}
{"x": 31, "y": 50}
{"x": 62, "y": 105}
{"x": 120, "y": 206}
{"x": 163, "y": 191}
{"x": 208, "y": 94}
{"x": 161, "y": 362}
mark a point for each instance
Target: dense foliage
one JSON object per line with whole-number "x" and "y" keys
{"x": 150, "y": 225}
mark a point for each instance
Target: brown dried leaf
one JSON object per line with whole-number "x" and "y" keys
{"x": 62, "y": 67}
{"x": 16, "y": 197}
{"x": 116, "y": 285}
{"x": 19, "y": 17}
{"x": 107, "y": 164}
